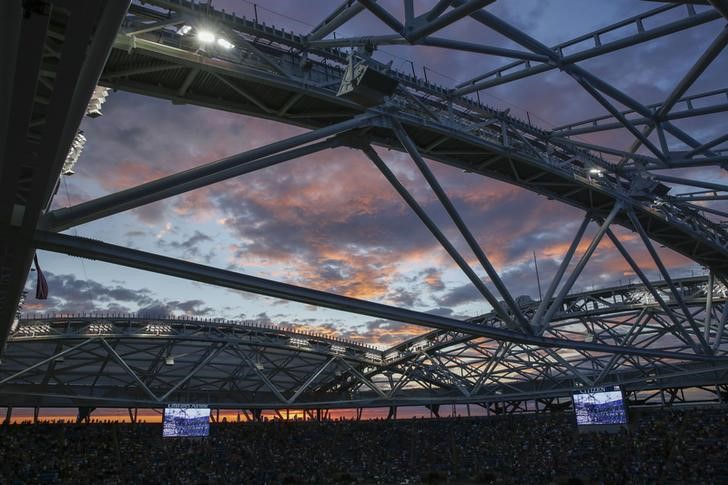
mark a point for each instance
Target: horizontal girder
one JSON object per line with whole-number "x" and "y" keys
{"x": 88, "y": 248}
{"x": 454, "y": 130}
{"x": 96, "y": 368}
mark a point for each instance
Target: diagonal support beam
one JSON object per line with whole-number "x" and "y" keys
{"x": 692, "y": 183}
{"x": 345, "y": 12}
{"x": 437, "y": 10}
{"x": 683, "y": 335}
{"x": 560, "y": 272}
{"x": 708, "y": 306}
{"x": 589, "y": 81}
{"x": 413, "y": 152}
{"x": 406, "y": 377}
{"x": 580, "y": 266}
{"x": 44, "y": 361}
{"x": 310, "y": 380}
{"x": 430, "y": 26}
{"x": 621, "y": 118}
{"x": 706, "y": 146}
{"x": 199, "y": 177}
{"x": 262, "y": 376}
{"x": 143, "y": 28}
{"x": 713, "y": 50}
{"x": 383, "y": 15}
{"x": 721, "y": 327}
{"x": 482, "y": 49}
{"x": 628, "y": 339}
{"x": 119, "y": 360}
{"x": 362, "y": 378}
{"x": 206, "y": 360}
{"x": 500, "y": 353}
{"x": 110, "y": 253}
{"x": 721, "y": 6}
{"x": 441, "y": 238}
{"x": 509, "y": 72}
{"x": 666, "y": 276}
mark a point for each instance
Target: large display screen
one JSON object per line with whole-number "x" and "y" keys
{"x": 603, "y": 405}
{"x": 184, "y": 420}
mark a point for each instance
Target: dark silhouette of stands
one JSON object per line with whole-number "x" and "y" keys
{"x": 659, "y": 446}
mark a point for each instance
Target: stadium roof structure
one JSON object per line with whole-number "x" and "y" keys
{"x": 654, "y": 334}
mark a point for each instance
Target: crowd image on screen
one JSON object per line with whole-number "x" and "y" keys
{"x": 658, "y": 446}
{"x": 186, "y": 422}
{"x": 597, "y": 408}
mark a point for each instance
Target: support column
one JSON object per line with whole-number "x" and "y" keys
{"x": 708, "y": 308}
{"x": 84, "y": 414}
{"x": 9, "y": 413}
{"x": 392, "y": 412}
{"x": 434, "y": 409}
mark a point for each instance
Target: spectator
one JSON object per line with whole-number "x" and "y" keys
{"x": 686, "y": 446}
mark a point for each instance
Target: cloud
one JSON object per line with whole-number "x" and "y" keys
{"x": 433, "y": 279}
{"x": 69, "y": 294}
{"x": 384, "y": 333}
{"x": 193, "y": 308}
{"x": 330, "y": 221}
{"x": 459, "y": 295}
{"x": 189, "y": 247}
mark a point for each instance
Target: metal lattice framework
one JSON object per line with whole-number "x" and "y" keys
{"x": 127, "y": 360}
{"x": 656, "y": 334}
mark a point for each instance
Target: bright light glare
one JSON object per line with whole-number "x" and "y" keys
{"x": 206, "y": 36}
{"x": 224, "y": 44}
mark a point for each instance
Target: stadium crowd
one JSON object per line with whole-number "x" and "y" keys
{"x": 666, "y": 446}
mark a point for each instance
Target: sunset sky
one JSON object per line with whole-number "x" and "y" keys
{"x": 330, "y": 220}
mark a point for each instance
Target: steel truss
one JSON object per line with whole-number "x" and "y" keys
{"x": 106, "y": 361}
{"x": 652, "y": 335}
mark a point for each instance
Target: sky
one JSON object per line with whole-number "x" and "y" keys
{"x": 330, "y": 221}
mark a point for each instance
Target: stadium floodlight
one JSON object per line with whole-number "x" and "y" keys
{"x": 169, "y": 360}
{"x": 421, "y": 345}
{"x": 205, "y": 36}
{"x": 101, "y": 328}
{"x": 373, "y": 356}
{"x": 299, "y": 342}
{"x": 338, "y": 349}
{"x": 77, "y": 145}
{"x": 225, "y": 44}
{"x": 158, "y": 329}
{"x": 98, "y": 98}
{"x": 392, "y": 356}
{"x": 596, "y": 171}
{"x": 184, "y": 29}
